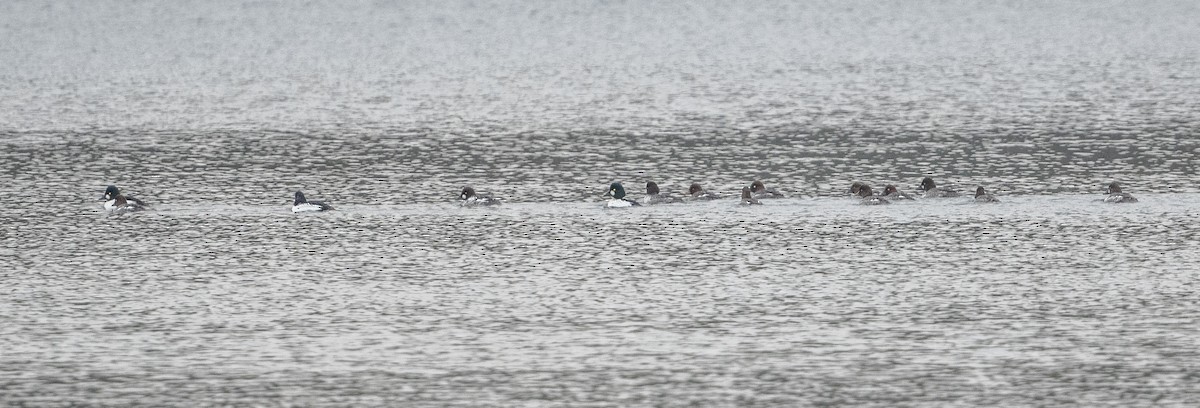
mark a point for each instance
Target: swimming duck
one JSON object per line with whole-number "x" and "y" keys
{"x": 981, "y": 196}
{"x": 1116, "y": 196}
{"x": 931, "y": 190}
{"x": 468, "y": 198}
{"x": 893, "y": 193}
{"x": 748, "y": 197}
{"x": 761, "y": 191}
{"x": 695, "y": 192}
{"x": 617, "y": 192}
{"x": 653, "y": 196}
{"x": 855, "y": 187}
{"x": 869, "y": 197}
{"x": 116, "y": 202}
{"x": 303, "y": 205}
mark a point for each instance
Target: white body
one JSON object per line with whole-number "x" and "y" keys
{"x": 616, "y": 202}
{"x": 306, "y": 207}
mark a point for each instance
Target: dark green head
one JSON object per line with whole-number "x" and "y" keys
{"x": 615, "y": 190}
{"x": 467, "y": 192}
{"x": 110, "y": 193}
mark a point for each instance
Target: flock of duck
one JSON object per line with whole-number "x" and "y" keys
{"x": 115, "y": 202}
{"x": 866, "y": 196}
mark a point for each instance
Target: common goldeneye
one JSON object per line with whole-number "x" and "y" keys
{"x": 748, "y": 197}
{"x": 855, "y": 187}
{"x": 653, "y": 196}
{"x": 761, "y": 191}
{"x": 695, "y": 192}
{"x": 468, "y": 198}
{"x": 1116, "y": 196}
{"x": 981, "y": 196}
{"x": 931, "y": 190}
{"x": 869, "y": 197}
{"x": 116, "y": 202}
{"x": 303, "y": 205}
{"x": 891, "y": 192}
{"x": 617, "y": 192}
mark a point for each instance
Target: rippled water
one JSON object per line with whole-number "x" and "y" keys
{"x": 216, "y": 112}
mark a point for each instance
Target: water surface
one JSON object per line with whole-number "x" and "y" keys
{"x": 216, "y": 112}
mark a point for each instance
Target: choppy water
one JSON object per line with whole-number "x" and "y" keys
{"x": 216, "y": 112}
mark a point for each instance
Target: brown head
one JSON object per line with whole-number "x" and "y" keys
{"x": 855, "y": 187}
{"x": 757, "y": 187}
{"x": 927, "y": 184}
{"x": 865, "y": 191}
{"x": 651, "y": 187}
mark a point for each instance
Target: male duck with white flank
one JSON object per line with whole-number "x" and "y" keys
{"x": 115, "y": 202}
{"x": 931, "y": 190}
{"x": 695, "y": 192}
{"x": 761, "y": 191}
{"x": 617, "y": 194}
{"x": 468, "y": 198}
{"x": 981, "y": 196}
{"x": 748, "y": 197}
{"x": 654, "y": 196}
{"x": 303, "y": 205}
{"x": 1116, "y": 196}
{"x": 868, "y": 197}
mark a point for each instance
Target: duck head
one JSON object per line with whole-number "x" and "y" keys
{"x": 757, "y": 187}
{"x": 615, "y": 190}
{"x": 110, "y": 193}
{"x": 467, "y": 192}
{"x": 855, "y": 187}
{"x": 927, "y": 184}
{"x": 865, "y": 191}
{"x": 651, "y": 188}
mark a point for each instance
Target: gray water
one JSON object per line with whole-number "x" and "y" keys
{"x": 216, "y": 112}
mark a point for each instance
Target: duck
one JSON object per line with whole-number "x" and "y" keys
{"x": 761, "y": 191}
{"x": 654, "y": 196}
{"x": 617, "y": 193}
{"x": 981, "y": 196}
{"x": 869, "y": 197}
{"x": 695, "y": 192}
{"x": 931, "y": 190}
{"x": 748, "y": 197}
{"x": 468, "y": 198}
{"x": 303, "y": 205}
{"x": 893, "y": 193}
{"x": 1116, "y": 196}
{"x": 115, "y": 202}
{"x": 855, "y": 187}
